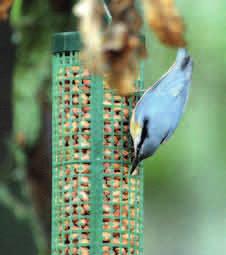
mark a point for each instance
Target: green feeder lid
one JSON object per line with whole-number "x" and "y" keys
{"x": 67, "y": 41}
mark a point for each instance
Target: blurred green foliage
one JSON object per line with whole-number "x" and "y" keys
{"x": 185, "y": 182}
{"x": 33, "y": 23}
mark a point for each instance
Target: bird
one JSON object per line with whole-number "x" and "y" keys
{"x": 159, "y": 110}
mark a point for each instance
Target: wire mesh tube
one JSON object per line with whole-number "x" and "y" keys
{"x": 97, "y": 207}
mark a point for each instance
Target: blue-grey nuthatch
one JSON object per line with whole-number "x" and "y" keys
{"x": 159, "y": 110}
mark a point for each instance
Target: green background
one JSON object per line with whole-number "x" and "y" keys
{"x": 185, "y": 183}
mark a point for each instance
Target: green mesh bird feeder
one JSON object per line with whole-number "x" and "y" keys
{"x": 97, "y": 206}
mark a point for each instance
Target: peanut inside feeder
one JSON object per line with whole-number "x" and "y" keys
{"x": 97, "y": 206}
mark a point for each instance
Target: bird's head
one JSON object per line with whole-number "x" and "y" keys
{"x": 139, "y": 132}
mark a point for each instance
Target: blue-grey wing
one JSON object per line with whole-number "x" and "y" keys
{"x": 164, "y": 111}
{"x": 176, "y": 113}
{"x": 163, "y": 104}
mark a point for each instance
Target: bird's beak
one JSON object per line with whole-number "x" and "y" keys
{"x": 134, "y": 166}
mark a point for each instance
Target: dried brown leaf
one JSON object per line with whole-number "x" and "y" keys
{"x": 4, "y": 7}
{"x": 120, "y": 51}
{"x": 123, "y": 46}
{"x": 116, "y": 48}
{"x": 166, "y": 22}
{"x": 118, "y": 7}
{"x": 91, "y": 13}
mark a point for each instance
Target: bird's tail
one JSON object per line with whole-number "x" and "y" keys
{"x": 183, "y": 59}
{"x": 181, "y": 54}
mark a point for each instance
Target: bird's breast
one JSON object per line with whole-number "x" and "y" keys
{"x": 135, "y": 128}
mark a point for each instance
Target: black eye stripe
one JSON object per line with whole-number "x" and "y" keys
{"x": 144, "y": 135}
